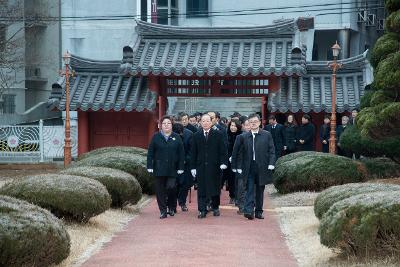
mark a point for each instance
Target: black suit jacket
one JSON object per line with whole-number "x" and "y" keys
{"x": 278, "y": 135}
{"x": 265, "y": 155}
{"x": 166, "y": 157}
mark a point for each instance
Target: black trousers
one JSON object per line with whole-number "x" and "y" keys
{"x": 184, "y": 183}
{"x": 165, "y": 188}
{"x": 202, "y": 201}
{"x": 254, "y": 200}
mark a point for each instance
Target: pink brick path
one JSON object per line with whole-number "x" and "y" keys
{"x": 184, "y": 240}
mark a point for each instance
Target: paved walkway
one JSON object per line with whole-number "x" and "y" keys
{"x": 184, "y": 240}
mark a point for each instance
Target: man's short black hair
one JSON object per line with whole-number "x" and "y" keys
{"x": 307, "y": 117}
{"x": 177, "y": 128}
{"x": 192, "y": 116}
{"x": 217, "y": 114}
{"x": 254, "y": 115}
{"x": 181, "y": 115}
{"x": 272, "y": 117}
{"x": 243, "y": 119}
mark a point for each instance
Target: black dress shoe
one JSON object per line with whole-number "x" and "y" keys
{"x": 201, "y": 215}
{"x": 249, "y": 216}
{"x": 163, "y": 215}
{"x": 260, "y": 216}
{"x": 216, "y": 212}
{"x": 184, "y": 208}
{"x": 171, "y": 213}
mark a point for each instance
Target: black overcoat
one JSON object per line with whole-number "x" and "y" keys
{"x": 166, "y": 157}
{"x": 290, "y": 137}
{"x": 278, "y": 135}
{"x": 306, "y": 132}
{"x": 265, "y": 155}
{"x": 206, "y": 158}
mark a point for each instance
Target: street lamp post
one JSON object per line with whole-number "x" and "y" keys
{"x": 335, "y": 66}
{"x": 67, "y": 144}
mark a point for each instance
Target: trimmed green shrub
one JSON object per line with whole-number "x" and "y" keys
{"x": 392, "y": 22}
{"x": 365, "y": 100}
{"x": 124, "y": 149}
{"x": 381, "y": 168}
{"x": 127, "y": 162}
{"x": 392, "y": 5}
{"x": 352, "y": 140}
{"x": 387, "y": 74}
{"x": 334, "y": 194}
{"x": 381, "y": 121}
{"x": 122, "y": 186}
{"x": 365, "y": 224}
{"x": 30, "y": 235}
{"x": 293, "y": 156}
{"x": 384, "y": 46}
{"x": 316, "y": 171}
{"x": 66, "y": 196}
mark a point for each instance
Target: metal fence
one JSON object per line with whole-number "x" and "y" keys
{"x": 35, "y": 143}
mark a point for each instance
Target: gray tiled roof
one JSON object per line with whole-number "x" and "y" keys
{"x": 313, "y": 91}
{"x": 169, "y": 50}
{"x": 98, "y": 86}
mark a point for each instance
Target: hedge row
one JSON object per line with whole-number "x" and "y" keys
{"x": 127, "y": 162}
{"x": 364, "y": 224}
{"x": 315, "y": 171}
{"x": 122, "y": 186}
{"x": 330, "y": 196}
{"x": 66, "y": 196}
{"x": 30, "y": 236}
{"x": 123, "y": 149}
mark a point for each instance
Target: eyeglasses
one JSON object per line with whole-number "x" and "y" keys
{"x": 255, "y": 121}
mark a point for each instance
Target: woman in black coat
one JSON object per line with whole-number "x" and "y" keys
{"x": 234, "y": 129}
{"x": 290, "y": 134}
{"x": 165, "y": 159}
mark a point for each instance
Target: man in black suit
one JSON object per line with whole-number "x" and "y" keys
{"x": 278, "y": 135}
{"x": 339, "y": 131}
{"x": 208, "y": 157}
{"x": 257, "y": 162}
{"x": 183, "y": 118}
{"x": 184, "y": 180}
{"x": 306, "y": 134}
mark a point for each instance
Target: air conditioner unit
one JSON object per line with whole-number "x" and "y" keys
{"x": 362, "y": 16}
{"x": 371, "y": 18}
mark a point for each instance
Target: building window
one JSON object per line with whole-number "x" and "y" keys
{"x": 7, "y": 106}
{"x": 167, "y": 12}
{"x": 196, "y": 8}
{"x": 3, "y": 33}
{"x": 205, "y": 86}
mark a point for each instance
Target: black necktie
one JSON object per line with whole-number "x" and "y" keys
{"x": 206, "y": 135}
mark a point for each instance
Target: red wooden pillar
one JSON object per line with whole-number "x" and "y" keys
{"x": 83, "y": 132}
{"x": 264, "y": 110}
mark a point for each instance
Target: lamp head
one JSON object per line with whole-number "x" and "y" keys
{"x": 67, "y": 58}
{"x": 336, "y": 49}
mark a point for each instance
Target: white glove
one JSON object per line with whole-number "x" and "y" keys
{"x": 193, "y": 172}
{"x": 271, "y": 167}
{"x": 230, "y": 159}
{"x": 284, "y": 147}
{"x": 239, "y": 171}
{"x": 234, "y": 170}
{"x": 223, "y": 167}
{"x": 150, "y": 170}
{"x": 180, "y": 171}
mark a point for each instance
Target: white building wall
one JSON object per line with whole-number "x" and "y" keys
{"x": 97, "y": 39}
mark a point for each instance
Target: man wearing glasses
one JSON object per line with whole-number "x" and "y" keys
{"x": 257, "y": 160}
